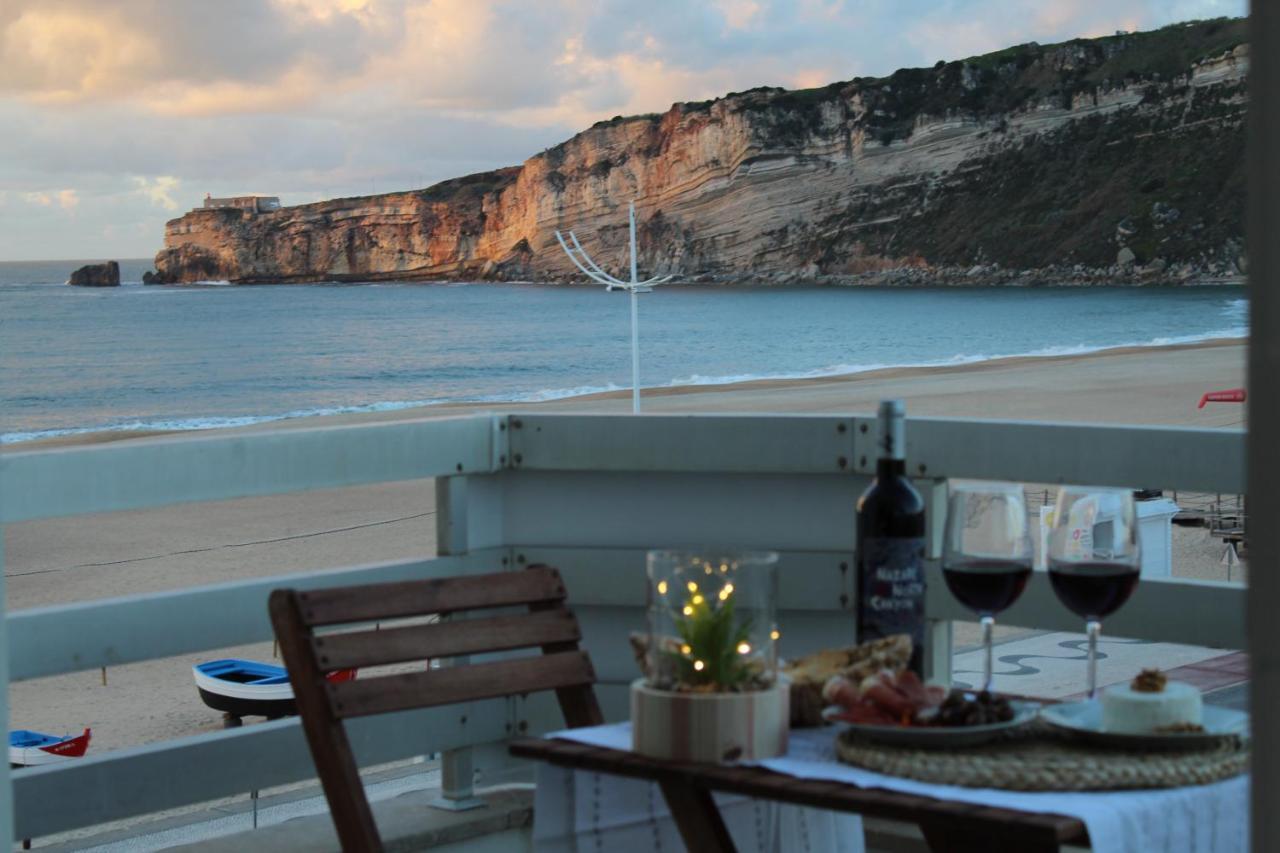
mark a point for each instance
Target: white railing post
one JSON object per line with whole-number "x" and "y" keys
{"x": 457, "y": 779}
{"x": 938, "y": 651}
{"x": 457, "y": 771}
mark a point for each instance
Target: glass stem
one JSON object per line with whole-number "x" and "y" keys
{"x": 988, "y": 624}
{"x": 1094, "y": 627}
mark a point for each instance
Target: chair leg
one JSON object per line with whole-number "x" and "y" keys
{"x": 330, "y": 748}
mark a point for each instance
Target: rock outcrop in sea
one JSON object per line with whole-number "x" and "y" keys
{"x": 1095, "y": 160}
{"x": 96, "y": 275}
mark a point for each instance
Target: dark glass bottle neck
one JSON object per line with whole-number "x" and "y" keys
{"x": 886, "y": 467}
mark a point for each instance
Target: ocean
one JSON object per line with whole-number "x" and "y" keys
{"x": 140, "y": 357}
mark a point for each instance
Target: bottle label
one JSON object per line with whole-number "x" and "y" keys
{"x": 891, "y": 589}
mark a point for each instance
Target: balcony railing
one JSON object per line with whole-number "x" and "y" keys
{"x": 588, "y": 494}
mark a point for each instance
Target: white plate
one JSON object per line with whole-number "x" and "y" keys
{"x": 1084, "y": 720}
{"x": 936, "y": 737}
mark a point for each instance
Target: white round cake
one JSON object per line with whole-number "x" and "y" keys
{"x": 1135, "y": 711}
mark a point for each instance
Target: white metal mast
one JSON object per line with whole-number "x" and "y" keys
{"x": 593, "y": 271}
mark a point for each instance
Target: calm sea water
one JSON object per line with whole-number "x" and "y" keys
{"x": 135, "y": 357}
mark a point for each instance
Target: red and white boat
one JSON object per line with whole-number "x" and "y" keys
{"x": 1233, "y": 395}
{"x": 31, "y": 749}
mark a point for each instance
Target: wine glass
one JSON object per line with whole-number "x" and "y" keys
{"x": 1094, "y": 557}
{"x": 987, "y": 555}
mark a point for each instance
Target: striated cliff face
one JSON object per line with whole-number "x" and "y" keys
{"x": 1102, "y": 159}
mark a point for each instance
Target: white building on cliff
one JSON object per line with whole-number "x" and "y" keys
{"x": 252, "y": 203}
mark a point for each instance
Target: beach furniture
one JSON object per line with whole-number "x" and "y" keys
{"x": 31, "y": 749}
{"x": 240, "y": 688}
{"x": 545, "y": 625}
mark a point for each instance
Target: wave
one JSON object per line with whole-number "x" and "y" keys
{"x": 1237, "y": 309}
{"x": 837, "y": 370}
{"x": 830, "y": 371}
{"x": 186, "y": 424}
{"x": 203, "y": 423}
{"x": 545, "y": 394}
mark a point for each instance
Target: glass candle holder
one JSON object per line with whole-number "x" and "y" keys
{"x": 712, "y": 621}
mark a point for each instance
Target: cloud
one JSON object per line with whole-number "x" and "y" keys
{"x": 564, "y": 61}
{"x": 68, "y": 51}
{"x": 738, "y": 14}
{"x": 143, "y": 106}
{"x": 67, "y": 199}
{"x": 159, "y": 190}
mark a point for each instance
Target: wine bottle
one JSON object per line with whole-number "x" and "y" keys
{"x": 890, "y": 544}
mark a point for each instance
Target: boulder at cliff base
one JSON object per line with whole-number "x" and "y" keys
{"x": 96, "y": 275}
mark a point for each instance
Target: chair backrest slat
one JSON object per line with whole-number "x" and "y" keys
{"x": 449, "y": 685}
{"x": 440, "y": 595}
{"x": 445, "y": 639}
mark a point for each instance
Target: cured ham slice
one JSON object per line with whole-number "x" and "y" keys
{"x": 885, "y": 698}
{"x": 867, "y": 714}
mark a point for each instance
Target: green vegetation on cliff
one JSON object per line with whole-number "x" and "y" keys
{"x": 1168, "y": 191}
{"x": 995, "y": 83}
{"x": 1163, "y": 179}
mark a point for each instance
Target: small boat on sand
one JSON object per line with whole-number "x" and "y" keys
{"x": 240, "y": 688}
{"x": 30, "y": 749}
{"x": 1233, "y": 395}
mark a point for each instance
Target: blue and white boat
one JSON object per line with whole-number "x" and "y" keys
{"x": 242, "y": 688}
{"x": 30, "y": 749}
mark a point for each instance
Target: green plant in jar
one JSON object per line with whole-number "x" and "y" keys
{"x": 715, "y": 649}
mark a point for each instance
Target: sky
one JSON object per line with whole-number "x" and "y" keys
{"x": 117, "y": 116}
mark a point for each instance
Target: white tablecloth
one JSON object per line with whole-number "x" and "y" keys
{"x": 576, "y": 811}
{"x": 1205, "y": 818}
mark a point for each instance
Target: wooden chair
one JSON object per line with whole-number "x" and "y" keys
{"x": 324, "y": 705}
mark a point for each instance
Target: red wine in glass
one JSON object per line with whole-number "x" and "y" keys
{"x": 987, "y": 586}
{"x": 1094, "y": 557}
{"x": 986, "y": 555}
{"x": 1092, "y": 590}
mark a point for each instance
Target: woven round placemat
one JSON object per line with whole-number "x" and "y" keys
{"x": 1037, "y": 759}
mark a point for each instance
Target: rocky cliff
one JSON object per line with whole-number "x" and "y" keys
{"x": 1117, "y": 158}
{"x": 96, "y": 275}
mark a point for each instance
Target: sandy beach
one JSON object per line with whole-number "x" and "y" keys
{"x": 61, "y": 560}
